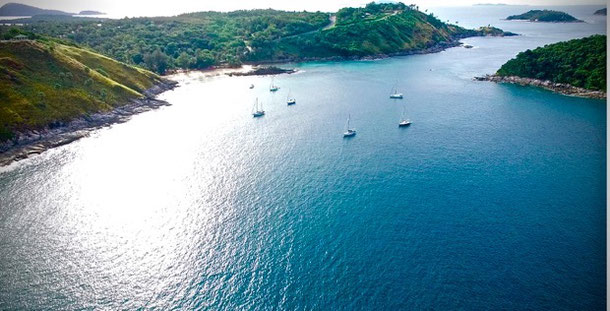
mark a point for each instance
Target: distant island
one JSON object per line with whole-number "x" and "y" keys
{"x": 601, "y": 12}
{"x": 91, "y": 13}
{"x": 16, "y": 9}
{"x": 204, "y": 39}
{"x": 575, "y": 67}
{"x": 548, "y": 16}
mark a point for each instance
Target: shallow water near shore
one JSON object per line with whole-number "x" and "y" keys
{"x": 494, "y": 198}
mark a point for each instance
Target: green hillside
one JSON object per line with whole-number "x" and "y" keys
{"x": 579, "y": 62}
{"x": 372, "y": 30}
{"x": 199, "y": 40}
{"x": 42, "y": 82}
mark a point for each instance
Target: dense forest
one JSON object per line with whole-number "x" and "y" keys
{"x": 372, "y": 30}
{"x": 43, "y": 81}
{"x": 579, "y": 62}
{"x": 545, "y": 16}
{"x": 199, "y": 40}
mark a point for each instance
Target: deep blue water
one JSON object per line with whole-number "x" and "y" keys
{"x": 493, "y": 199}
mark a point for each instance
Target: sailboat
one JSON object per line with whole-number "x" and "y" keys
{"x": 349, "y": 132}
{"x": 290, "y": 100}
{"x": 404, "y": 122}
{"x": 258, "y": 111}
{"x": 272, "y": 86}
{"x": 395, "y": 94}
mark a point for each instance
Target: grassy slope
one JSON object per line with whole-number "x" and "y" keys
{"x": 579, "y": 62}
{"x": 42, "y": 82}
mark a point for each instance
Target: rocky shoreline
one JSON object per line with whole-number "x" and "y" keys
{"x": 436, "y": 48}
{"x": 262, "y": 71}
{"x": 31, "y": 142}
{"x": 561, "y": 88}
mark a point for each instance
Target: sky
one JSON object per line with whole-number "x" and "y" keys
{"x": 120, "y": 8}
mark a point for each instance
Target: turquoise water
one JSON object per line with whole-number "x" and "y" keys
{"x": 494, "y": 198}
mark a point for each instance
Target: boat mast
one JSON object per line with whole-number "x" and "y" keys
{"x": 348, "y": 117}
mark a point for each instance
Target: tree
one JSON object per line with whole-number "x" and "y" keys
{"x": 205, "y": 59}
{"x": 156, "y": 61}
{"x": 184, "y": 61}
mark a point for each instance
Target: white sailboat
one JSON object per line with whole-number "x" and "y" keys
{"x": 349, "y": 132}
{"x": 290, "y": 100}
{"x": 272, "y": 86}
{"x": 404, "y": 122}
{"x": 256, "y": 110}
{"x": 395, "y": 94}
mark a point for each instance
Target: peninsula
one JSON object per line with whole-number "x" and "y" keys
{"x": 576, "y": 67}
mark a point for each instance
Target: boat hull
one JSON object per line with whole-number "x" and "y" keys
{"x": 349, "y": 134}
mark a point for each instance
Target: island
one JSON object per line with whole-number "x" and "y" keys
{"x": 202, "y": 40}
{"x": 576, "y": 67}
{"x": 17, "y": 9}
{"x": 51, "y": 89}
{"x": 547, "y": 16}
{"x": 91, "y": 13}
{"x": 603, "y": 12}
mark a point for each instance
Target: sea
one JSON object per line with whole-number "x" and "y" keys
{"x": 493, "y": 199}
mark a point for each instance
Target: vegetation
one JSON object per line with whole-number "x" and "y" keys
{"x": 545, "y": 16}
{"x": 44, "y": 81}
{"x": 375, "y": 29}
{"x": 579, "y": 62}
{"x": 199, "y": 40}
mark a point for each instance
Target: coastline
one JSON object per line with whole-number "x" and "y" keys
{"x": 32, "y": 142}
{"x": 562, "y": 88}
{"x": 434, "y": 48}
{"x": 438, "y": 47}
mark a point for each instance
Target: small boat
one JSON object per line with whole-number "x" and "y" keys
{"x": 404, "y": 122}
{"x": 257, "y": 111}
{"x": 395, "y": 94}
{"x": 349, "y": 132}
{"x": 290, "y": 100}
{"x": 251, "y": 86}
{"x": 272, "y": 86}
